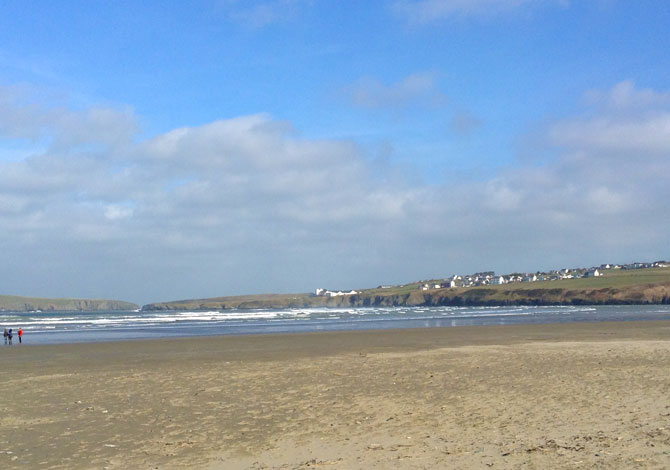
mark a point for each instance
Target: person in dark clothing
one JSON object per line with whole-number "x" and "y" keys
{"x": 9, "y": 335}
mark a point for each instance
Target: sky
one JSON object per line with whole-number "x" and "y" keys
{"x": 154, "y": 151}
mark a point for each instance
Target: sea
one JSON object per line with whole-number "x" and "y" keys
{"x": 94, "y": 326}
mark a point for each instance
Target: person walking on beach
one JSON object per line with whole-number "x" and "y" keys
{"x": 6, "y": 335}
{"x": 9, "y": 335}
{"x": 20, "y": 335}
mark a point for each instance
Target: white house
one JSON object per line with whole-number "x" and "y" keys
{"x": 330, "y": 293}
{"x": 498, "y": 280}
{"x": 594, "y": 273}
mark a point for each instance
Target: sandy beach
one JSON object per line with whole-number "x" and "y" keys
{"x": 574, "y": 395}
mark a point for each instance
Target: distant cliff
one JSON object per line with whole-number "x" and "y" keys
{"x": 27, "y": 304}
{"x": 480, "y": 296}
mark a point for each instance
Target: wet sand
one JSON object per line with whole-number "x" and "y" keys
{"x": 534, "y": 396}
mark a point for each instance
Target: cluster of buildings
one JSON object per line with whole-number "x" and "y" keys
{"x": 329, "y": 293}
{"x": 484, "y": 279}
{"x": 490, "y": 278}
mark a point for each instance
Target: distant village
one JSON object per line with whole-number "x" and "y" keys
{"x": 490, "y": 278}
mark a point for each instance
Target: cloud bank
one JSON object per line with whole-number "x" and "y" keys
{"x": 415, "y": 90}
{"x": 248, "y": 205}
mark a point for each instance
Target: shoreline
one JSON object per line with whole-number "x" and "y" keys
{"x": 588, "y": 330}
{"x": 567, "y": 395}
{"x": 134, "y": 327}
{"x": 345, "y": 341}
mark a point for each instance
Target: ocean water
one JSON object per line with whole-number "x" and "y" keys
{"x": 68, "y": 327}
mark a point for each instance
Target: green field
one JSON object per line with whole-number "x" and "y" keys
{"x": 612, "y": 278}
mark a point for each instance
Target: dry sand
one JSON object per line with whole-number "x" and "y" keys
{"x": 542, "y": 396}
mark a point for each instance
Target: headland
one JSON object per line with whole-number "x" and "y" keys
{"x": 34, "y": 304}
{"x": 613, "y": 287}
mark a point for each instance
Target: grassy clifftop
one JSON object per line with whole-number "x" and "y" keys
{"x": 640, "y": 286}
{"x": 27, "y": 304}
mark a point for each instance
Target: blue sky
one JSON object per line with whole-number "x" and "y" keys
{"x": 160, "y": 150}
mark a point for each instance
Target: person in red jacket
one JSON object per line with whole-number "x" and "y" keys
{"x": 20, "y": 335}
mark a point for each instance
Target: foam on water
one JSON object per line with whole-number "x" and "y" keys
{"x": 49, "y": 327}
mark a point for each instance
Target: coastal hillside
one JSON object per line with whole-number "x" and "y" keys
{"x": 640, "y": 286}
{"x": 27, "y": 304}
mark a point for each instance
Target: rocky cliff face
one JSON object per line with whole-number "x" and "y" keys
{"x": 27, "y": 304}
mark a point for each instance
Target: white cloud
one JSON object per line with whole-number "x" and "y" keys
{"x": 610, "y": 161}
{"x": 247, "y": 204}
{"x": 623, "y": 124}
{"x": 626, "y": 96}
{"x": 464, "y": 123}
{"x": 117, "y": 211}
{"x": 501, "y": 197}
{"x": 650, "y": 134}
{"x": 64, "y": 128}
{"x": 419, "y": 89}
{"x": 606, "y": 200}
